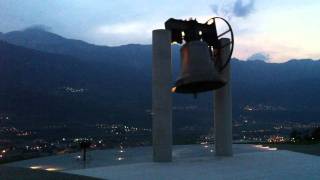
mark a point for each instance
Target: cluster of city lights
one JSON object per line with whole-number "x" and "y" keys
{"x": 276, "y": 139}
{"x": 2, "y": 153}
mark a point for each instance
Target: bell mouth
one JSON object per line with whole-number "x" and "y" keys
{"x": 197, "y": 87}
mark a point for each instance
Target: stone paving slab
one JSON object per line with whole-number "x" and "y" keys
{"x": 275, "y": 165}
{"x": 16, "y": 173}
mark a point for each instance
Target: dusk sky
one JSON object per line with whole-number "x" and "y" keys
{"x": 276, "y": 30}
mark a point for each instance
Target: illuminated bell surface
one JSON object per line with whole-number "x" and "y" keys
{"x": 198, "y": 73}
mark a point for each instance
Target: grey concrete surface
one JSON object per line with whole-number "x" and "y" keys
{"x": 223, "y": 109}
{"x": 18, "y": 173}
{"x": 161, "y": 96}
{"x": 270, "y": 164}
{"x": 111, "y": 157}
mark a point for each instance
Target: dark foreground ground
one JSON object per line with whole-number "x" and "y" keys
{"x": 313, "y": 149}
{"x": 15, "y": 173}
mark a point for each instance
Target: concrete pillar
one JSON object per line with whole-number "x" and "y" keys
{"x": 223, "y": 108}
{"x": 161, "y": 96}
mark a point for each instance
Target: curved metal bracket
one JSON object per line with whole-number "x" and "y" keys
{"x": 220, "y": 46}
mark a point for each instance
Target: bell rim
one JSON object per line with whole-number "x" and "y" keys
{"x": 199, "y": 83}
{"x": 198, "y": 87}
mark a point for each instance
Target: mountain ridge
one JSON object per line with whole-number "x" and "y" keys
{"x": 20, "y": 37}
{"x": 43, "y": 86}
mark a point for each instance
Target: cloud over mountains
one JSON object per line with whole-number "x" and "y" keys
{"x": 238, "y": 8}
{"x": 39, "y": 27}
{"x": 260, "y": 56}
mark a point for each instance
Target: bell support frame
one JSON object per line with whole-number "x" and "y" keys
{"x": 191, "y": 30}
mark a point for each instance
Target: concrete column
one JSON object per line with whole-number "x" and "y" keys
{"x": 223, "y": 108}
{"x": 161, "y": 96}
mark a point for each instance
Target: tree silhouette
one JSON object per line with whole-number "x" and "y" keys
{"x": 316, "y": 134}
{"x": 84, "y": 145}
{"x": 296, "y": 135}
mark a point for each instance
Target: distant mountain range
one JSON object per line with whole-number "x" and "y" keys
{"x": 46, "y": 78}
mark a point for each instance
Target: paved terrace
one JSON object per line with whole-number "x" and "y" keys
{"x": 190, "y": 162}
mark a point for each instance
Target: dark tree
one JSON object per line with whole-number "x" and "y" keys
{"x": 296, "y": 135}
{"x": 84, "y": 145}
{"x": 316, "y": 134}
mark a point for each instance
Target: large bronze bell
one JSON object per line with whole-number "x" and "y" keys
{"x": 198, "y": 71}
